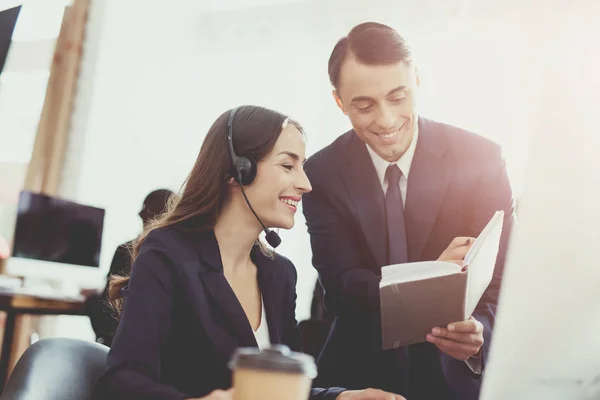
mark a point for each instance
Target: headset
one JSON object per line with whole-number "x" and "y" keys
{"x": 243, "y": 170}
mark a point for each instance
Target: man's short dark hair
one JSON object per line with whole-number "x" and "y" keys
{"x": 370, "y": 43}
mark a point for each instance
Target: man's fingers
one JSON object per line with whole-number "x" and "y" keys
{"x": 461, "y": 241}
{"x": 460, "y": 245}
{"x": 446, "y": 343}
{"x": 457, "y": 249}
{"x": 469, "y": 326}
{"x": 457, "y": 350}
{"x": 468, "y": 338}
{"x": 457, "y": 253}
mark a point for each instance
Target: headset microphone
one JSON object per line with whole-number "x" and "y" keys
{"x": 244, "y": 171}
{"x": 272, "y": 237}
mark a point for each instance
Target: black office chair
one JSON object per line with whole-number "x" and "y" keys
{"x": 57, "y": 369}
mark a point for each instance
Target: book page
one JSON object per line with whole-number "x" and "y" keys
{"x": 481, "y": 260}
{"x": 400, "y": 273}
{"x": 490, "y": 229}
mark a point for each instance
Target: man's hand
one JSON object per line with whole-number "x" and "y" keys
{"x": 460, "y": 340}
{"x": 368, "y": 394}
{"x": 218, "y": 395}
{"x": 457, "y": 249}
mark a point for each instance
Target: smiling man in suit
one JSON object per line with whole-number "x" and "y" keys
{"x": 398, "y": 188}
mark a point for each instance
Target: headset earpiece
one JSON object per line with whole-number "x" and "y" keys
{"x": 243, "y": 169}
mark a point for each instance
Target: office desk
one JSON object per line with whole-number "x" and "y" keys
{"x": 17, "y": 308}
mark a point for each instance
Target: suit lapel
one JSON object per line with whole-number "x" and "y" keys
{"x": 365, "y": 193}
{"x": 223, "y": 306}
{"x": 231, "y": 327}
{"x": 427, "y": 185}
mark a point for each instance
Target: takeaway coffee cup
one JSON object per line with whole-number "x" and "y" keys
{"x": 271, "y": 374}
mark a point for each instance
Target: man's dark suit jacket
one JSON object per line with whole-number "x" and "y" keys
{"x": 457, "y": 181}
{"x": 181, "y": 321}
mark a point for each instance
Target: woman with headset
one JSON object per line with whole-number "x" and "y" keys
{"x": 202, "y": 284}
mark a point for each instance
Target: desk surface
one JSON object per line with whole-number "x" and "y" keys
{"x": 27, "y": 304}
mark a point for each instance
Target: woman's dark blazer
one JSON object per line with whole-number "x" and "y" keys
{"x": 181, "y": 321}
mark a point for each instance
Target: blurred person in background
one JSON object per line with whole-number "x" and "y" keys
{"x": 102, "y": 316}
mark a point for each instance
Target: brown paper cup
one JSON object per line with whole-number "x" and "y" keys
{"x": 272, "y": 374}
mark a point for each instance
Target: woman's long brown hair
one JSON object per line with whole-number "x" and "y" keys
{"x": 205, "y": 190}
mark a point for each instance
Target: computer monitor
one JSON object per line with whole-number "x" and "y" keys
{"x": 55, "y": 239}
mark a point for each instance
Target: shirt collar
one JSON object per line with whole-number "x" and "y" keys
{"x": 404, "y": 162}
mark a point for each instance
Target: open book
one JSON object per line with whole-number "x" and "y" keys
{"x": 416, "y": 297}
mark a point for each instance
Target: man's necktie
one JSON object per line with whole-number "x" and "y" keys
{"x": 397, "y": 248}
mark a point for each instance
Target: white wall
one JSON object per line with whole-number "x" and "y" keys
{"x": 155, "y": 78}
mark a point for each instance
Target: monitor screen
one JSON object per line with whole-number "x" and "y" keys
{"x": 8, "y": 20}
{"x": 51, "y": 229}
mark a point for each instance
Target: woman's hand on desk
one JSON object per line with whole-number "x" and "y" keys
{"x": 368, "y": 394}
{"x": 217, "y": 395}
